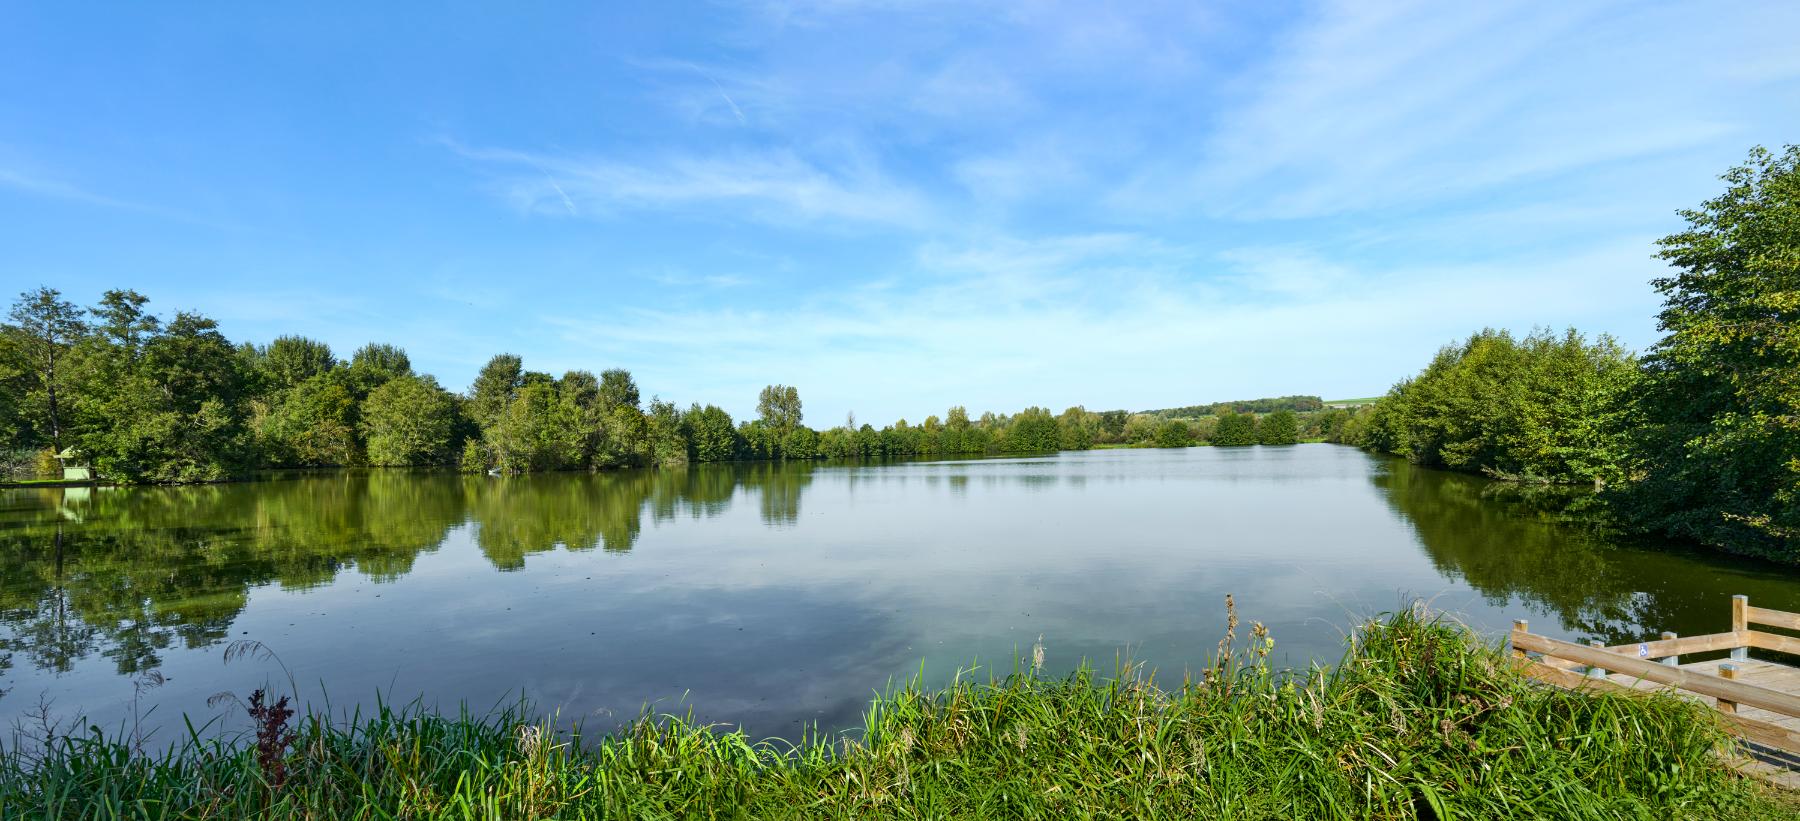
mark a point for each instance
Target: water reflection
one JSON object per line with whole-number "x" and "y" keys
{"x": 131, "y": 573}
{"x": 1536, "y": 545}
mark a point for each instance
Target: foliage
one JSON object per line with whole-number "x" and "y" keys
{"x": 778, "y": 406}
{"x": 311, "y": 424}
{"x": 409, "y": 421}
{"x": 710, "y": 435}
{"x": 45, "y": 465}
{"x": 1279, "y": 428}
{"x": 495, "y": 386}
{"x": 1173, "y": 433}
{"x": 1034, "y": 430}
{"x": 1235, "y": 429}
{"x": 1715, "y": 440}
{"x": 1419, "y": 720}
{"x": 43, "y": 331}
{"x": 1535, "y": 409}
{"x": 291, "y": 360}
{"x": 1300, "y": 404}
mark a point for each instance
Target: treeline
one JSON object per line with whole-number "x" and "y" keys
{"x": 143, "y": 400}
{"x": 1698, "y": 439}
{"x": 1297, "y": 404}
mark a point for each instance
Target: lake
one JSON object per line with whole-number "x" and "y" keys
{"x": 778, "y": 596}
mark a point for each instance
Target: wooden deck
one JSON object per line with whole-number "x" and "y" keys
{"x": 1758, "y": 700}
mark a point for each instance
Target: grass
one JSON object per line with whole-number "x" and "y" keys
{"x": 1419, "y": 720}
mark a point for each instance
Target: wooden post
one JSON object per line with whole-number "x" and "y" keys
{"x": 1728, "y": 671}
{"x": 1675, "y": 660}
{"x": 1740, "y": 621}
{"x": 1596, "y": 672}
{"x": 1520, "y": 626}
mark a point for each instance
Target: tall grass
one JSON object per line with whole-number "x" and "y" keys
{"x": 1420, "y": 720}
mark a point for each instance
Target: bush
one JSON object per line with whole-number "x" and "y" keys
{"x": 1235, "y": 429}
{"x": 45, "y": 465}
{"x": 1279, "y": 428}
{"x": 1174, "y": 434}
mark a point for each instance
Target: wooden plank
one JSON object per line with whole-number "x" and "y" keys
{"x": 1775, "y": 642}
{"x": 1740, "y": 613}
{"x": 1772, "y": 618}
{"x": 1751, "y": 695}
{"x": 1687, "y": 644}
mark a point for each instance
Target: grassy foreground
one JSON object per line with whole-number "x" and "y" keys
{"x": 1420, "y": 720}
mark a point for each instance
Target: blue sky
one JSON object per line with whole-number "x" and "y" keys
{"x": 896, "y": 206}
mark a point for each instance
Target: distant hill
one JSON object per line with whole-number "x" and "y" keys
{"x": 1266, "y": 405}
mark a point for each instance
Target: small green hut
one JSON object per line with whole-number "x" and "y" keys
{"x": 75, "y": 467}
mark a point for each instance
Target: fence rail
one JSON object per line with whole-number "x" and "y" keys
{"x": 1658, "y": 662}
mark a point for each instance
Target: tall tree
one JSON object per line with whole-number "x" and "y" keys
{"x": 374, "y": 365}
{"x": 617, "y": 389}
{"x": 1235, "y": 429}
{"x": 710, "y": 435}
{"x": 779, "y": 407}
{"x": 291, "y": 360}
{"x": 1716, "y": 422}
{"x": 44, "y": 328}
{"x": 495, "y": 387}
{"x": 410, "y": 421}
{"x": 1279, "y": 428}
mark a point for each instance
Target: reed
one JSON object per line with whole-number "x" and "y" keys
{"x": 1420, "y": 719}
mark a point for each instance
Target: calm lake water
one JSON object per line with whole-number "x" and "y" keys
{"x": 774, "y": 596}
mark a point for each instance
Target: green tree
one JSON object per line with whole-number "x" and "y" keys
{"x": 1715, "y": 445}
{"x": 617, "y": 389}
{"x": 291, "y": 360}
{"x": 313, "y": 424}
{"x": 43, "y": 329}
{"x": 529, "y": 436}
{"x": 1034, "y": 430}
{"x": 1112, "y": 426}
{"x": 495, "y": 386}
{"x": 1537, "y": 408}
{"x": 1279, "y": 428}
{"x": 778, "y": 406}
{"x": 178, "y": 413}
{"x": 668, "y": 445}
{"x": 1173, "y": 433}
{"x": 710, "y": 435}
{"x": 410, "y": 420}
{"x": 1235, "y": 429}
{"x": 1077, "y": 428}
{"x": 374, "y": 364}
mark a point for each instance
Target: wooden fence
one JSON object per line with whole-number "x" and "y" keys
{"x": 1773, "y": 702}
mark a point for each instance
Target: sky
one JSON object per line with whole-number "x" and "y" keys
{"x": 894, "y": 206}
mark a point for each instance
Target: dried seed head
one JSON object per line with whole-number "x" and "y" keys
{"x": 1037, "y": 654}
{"x": 530, "y": 739}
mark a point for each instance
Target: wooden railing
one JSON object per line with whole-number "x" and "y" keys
{"x": 1577, "y": 666}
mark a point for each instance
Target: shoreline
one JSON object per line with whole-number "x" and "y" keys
{"x": 1421, "y": 719}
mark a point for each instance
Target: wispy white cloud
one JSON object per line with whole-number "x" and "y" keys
{"x": 1397, "y": 105}
{"x": 1101, "y": 319}
{"x": 772, "y": 186}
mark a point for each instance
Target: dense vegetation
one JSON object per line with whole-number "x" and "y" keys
{"x": 1297, "y": 404}
{"x": 1698, "y": 439}
{"x": 1420, "y": 720}
{"x": 149, "y": 401}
